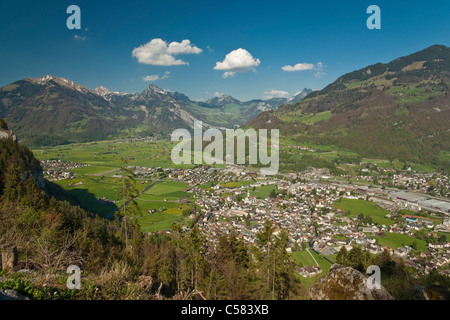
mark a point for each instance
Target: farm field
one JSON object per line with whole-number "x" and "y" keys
{"x": 395, "y": 240}
{"x": 98, "y": 187}
{"x": 263, "y": 191}
{"x": 157, "y": 222}
{"x": 356, "y": 207}
{"x": 303, "y": 258}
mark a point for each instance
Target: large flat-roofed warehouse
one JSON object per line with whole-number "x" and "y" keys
{"x": 436, "y": 204}
{"x": 408, "y": 196}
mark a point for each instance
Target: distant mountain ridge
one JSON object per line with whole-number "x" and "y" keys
{"x": 299, "y": 96}
{"x": 396, "y": 110}
{"x": 55, "y": 110}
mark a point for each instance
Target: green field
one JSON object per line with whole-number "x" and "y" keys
{"x": 106, "y": 155}
{"x": 157, "y": 221}
{"x": 263, "y": 191}
{"x": 168, "y": 189}
{"x": 356, "y": 207}
{"x": 304, "y": 258}
{"x": 395, "y": 240}
{"x": 164, "y": 199}
{"x": 97, "y": 181}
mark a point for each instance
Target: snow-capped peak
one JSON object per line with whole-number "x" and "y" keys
{"x": 299, "y": 95}
{"x": 61, "y": 81}
{"x": 101, "y": 91}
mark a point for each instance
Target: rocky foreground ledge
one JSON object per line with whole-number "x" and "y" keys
{"x": 11, "y": 295}
{"x": 344, "y": 283}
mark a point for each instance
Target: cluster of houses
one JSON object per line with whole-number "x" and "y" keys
{"x": 305, "y": 211}
{"x": 55, "y": 170}
{"x": 428, "y": 183}
{"x": 307, "y": 216}
{"x": 204, "y": 174}
{"x": 433, "y": 183}
{"x": 309, "y": 271}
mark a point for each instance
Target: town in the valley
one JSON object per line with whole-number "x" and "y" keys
{"x": 404, "y": 212}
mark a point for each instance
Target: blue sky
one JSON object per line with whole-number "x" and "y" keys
{"x": 325, "y": 38}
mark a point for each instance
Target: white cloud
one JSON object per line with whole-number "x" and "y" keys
{"x": 318, "y": 68}
{"x": 298, "y": 67}
{"x": 159, "y": 53}
{"x": 276, "y": 94}
{"x": 152, "y": 77}
{"x": 77, "y": 37}
{"x": 239, "y": 60}
{"x": 155, "y": 77}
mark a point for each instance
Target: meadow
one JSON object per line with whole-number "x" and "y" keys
{"x": 107, "y": 155}
{"x": 262, "y": 192}
{"x": 355, "y": 207}
{"x": 396, "y": 240}
{"x": 303, "y": 258}
{"x": 160, "y": 205}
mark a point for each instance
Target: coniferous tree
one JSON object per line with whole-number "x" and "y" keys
{"x": 342, "y": 256}
{"x": 131, "y": 209}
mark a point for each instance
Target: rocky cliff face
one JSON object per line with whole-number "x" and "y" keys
{"x": 343, "y": 283}
{"x": 5, "y": 134}
{"x": 38, "y": 176}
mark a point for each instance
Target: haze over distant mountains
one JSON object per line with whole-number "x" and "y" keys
{"x": 55, "y": 110}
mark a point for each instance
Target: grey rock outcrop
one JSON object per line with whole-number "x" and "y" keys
{"x": 343, "y": 283}
{"x": 11, "y": 295}
{"x": 5, "y": 134}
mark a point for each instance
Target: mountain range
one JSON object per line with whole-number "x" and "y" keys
{"x": 396, "y": 110}
{"x": 53, "y": 110}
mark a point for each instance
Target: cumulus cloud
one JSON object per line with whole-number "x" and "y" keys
{"x": 318, "y": 68}
{"x": 298, "y": 67}
{"x": 239, "y": 60}
{"x": 160, "y": 53}
{"x": 152, "y": 77}
{"x": 276, "y": 94}
{"x": 155, "y": 77}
